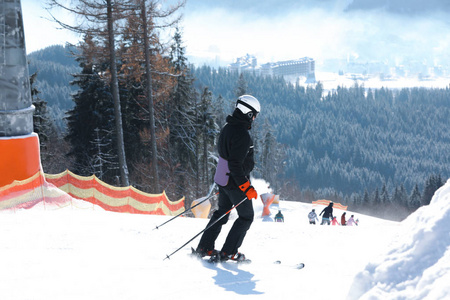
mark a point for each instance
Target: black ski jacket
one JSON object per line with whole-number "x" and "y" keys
{"x": 327, "y": 212}
{"x": 236, "y": 146}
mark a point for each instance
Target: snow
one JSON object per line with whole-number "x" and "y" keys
{"x": 83, "y": 252}
{"x": 331, "y": 81}
{"x": 19, "y": 137}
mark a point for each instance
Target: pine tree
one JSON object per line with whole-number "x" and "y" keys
{"x": 396, "y": 197}
{"x": 220, "y": 110}
{"x": 366, "y": 200}
{"x": 376, "y": 200}
{"x": 98, "y": 20}
{"x": 428, "y": 191}
{"x": 403, "y": 196}
{"x": 385, "y": 198}
{"x": 42, "y": 123}
{"x": 92, "y": 118}
{"x": 103, "y": 158}
{"x": 433, "y": 183}
{"x": 269, "y": 155}
{"x": 241, "y": 86}
{"x": 182, "y": 122}
{"x": 207, "y": 132}
{"x": 44, "y": 126}
{"x": 147, "y": 16}
{"x": 415, "y": 199}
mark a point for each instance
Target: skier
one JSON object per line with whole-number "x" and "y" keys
{"x": 235, "y": 147}
{"x": 343, "y": 222}
{"x": 327, "y": 214}
{"x": 334, "y": 221}
{"x": 279, "y": 217}
{"x": 312, "y": 216}
{"x": 351, "y": 221}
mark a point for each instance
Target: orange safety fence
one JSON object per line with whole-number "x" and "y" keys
{"x": 326, "y": 202}
{"x": 29, "y": 192}
{"x": 118, "y": 199}
{"x": 267, "y": 200}
{"x": 202, "y": 210}
{"x": 58, "y": 189}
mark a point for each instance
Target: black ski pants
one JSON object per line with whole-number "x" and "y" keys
{"x": 235, "y": 237}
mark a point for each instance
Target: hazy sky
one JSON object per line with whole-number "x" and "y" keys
{"x": 322, "y": 29}
{"x": 40, "y": 32}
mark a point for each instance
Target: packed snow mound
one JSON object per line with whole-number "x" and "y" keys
{"x": 88, "y": 253}
{"x": 417, "y": 266}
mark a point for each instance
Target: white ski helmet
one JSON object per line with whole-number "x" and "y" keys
{"x": 248, "y": 105}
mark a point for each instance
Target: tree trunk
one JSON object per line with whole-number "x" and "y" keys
{"x": 116, "y": 98}
{"x": 154, "y": 153}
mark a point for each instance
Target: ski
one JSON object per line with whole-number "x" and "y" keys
{"x": 295, "y": 266}
{"x": 210, "y": 261}
{"x": 239, "y": 262}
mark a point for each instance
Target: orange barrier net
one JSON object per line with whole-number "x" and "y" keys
{"x": 267, "y": 199}
{"x": 118, "y": 199}
{"x": 326, "y": 202}
{"x": 58, "y": 189}
{"x": 29, "y": 192}
{"x": 202, "y": 210}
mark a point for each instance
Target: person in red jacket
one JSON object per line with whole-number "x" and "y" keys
{"x": 334, "y": 221}
{"x": 343, "y": 221}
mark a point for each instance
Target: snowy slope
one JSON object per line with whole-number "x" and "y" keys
{"x": 83, "y": 252}
{"x": 417, "y": 266}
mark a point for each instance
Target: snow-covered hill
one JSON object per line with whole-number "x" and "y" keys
{"x": 83, "y": 252}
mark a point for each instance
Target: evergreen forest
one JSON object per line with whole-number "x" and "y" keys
{"x": 382, "y": 152}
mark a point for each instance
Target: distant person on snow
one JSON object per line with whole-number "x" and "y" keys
{"x": 351, "y": 221}
{"x": 312, "y": 216}
{"x": 279, "y": 217}
{"x": 343, "y": 222}
{"x": 327, "y": 214}
{"x": 335, "y": 221}
{"x": 236, "y": 161}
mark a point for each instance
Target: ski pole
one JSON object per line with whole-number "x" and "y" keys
{"x": 185, "y": 211}
{"x": 208, "y": 227}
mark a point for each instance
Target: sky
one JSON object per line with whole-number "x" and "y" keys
{"x": 368, "y": 30}
{"x": 75, "y": 250}
{"x": 40, "y": 30}
{"x": 322, "y": 30}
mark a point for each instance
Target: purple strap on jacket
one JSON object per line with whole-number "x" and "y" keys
{"x": 222, "y": 172}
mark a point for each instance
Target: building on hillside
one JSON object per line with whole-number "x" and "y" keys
{"x": 244, "y": 64}
{"x": 302, "y": 67}
{"x": 290, "y": 69}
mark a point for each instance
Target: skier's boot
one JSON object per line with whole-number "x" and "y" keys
{"x": 217, "y": 257}
{"x": 222, "y": 256}
{"x": 201, "y": 252}
{"x": 238, "y": 257}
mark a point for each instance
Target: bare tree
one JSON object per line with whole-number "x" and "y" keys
{"x": 116, "y": 96}
{"x": 96, "y": 18}
{"x": 149, "y": 94}
{"x": 108, "y": 20}
{"x": 148, "y": 23}
{"x": 144, "y": 63}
